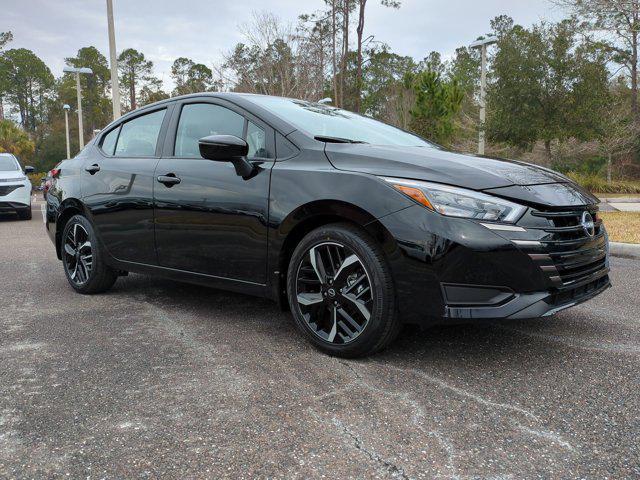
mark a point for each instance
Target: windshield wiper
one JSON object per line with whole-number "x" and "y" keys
{"x": 323, "y": 138}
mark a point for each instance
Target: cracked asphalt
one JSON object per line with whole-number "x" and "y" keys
{"x": 160, "y": 379}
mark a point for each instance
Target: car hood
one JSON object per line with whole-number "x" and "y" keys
{"x": 13, "y": 175}
{"x": 506, "y": 178}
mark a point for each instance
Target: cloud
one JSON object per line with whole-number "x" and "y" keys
{"x": 204, "y": 29}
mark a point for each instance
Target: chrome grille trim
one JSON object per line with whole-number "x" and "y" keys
{"x": 576, "y": 257}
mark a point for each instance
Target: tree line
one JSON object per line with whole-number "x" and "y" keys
{"x": 563, "y": 94}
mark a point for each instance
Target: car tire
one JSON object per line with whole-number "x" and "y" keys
{"x": 353, "y": 312}
{"x": 82, "y": 258}
{"x": 26, "y": 215}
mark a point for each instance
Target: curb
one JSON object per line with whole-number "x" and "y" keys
{"x": 624, "y": 250}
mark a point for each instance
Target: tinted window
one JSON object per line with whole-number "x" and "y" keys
{"x": 257, "y": 141}
{"x": 201, "y": 120}
{"x": 138, "y": 137}
{"x": 109, "y": 141}
{"x": 8, "y": 164}
{"x": 324, "y": 120}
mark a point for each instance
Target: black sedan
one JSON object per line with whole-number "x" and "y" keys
{"x": 356, "y": 226}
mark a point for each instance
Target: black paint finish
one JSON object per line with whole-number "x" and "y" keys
{"x": 197, "y": 220}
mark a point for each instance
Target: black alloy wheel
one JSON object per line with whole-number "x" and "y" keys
{"x": 78, "y": 255}
{"x": 341, "y": 291}
{"x": 82, "y": 258}
{"x": 334, "y": 292}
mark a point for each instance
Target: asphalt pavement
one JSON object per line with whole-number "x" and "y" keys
{"x": 157, "y": 379}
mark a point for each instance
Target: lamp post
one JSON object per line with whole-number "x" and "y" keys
{"x": 78, "y": 71}
{"x": 482, "y": 45}
{"x": 66, "y": 128}
{"x": 113, "y": 60}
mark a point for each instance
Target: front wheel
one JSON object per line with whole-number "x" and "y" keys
{"x": 82, "y": 258}
{"x": 341, "y": 292}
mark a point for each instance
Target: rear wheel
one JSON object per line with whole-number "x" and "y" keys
{"x": 82, "y": 258}
{"x": 341, "y": 292}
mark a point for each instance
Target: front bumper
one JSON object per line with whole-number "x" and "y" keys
{"x": 15, "y": 197}
{"x": 531, "y": 305}
{"x": 449, "y": 269}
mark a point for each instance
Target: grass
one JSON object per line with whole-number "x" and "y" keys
{"x": 597, "y": 184}
{"x": 622, "y": 226}
{"x": 618, "y": 195}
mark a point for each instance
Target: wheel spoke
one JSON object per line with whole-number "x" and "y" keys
{"x": 69, "y": 250}
{"x": 347, "y": 266}
{"x": 350, "y": 320}
{"x": 79, "y": 273}
{"x": 70, "y": 240}
{"x": 359, "y": 304}
{"x": 84, "y": 246}
{"x": 75, "y": 234}
{"x": 317, "y": 264}
{"x": 334, "y": 328}
{"x": 86, "y": 268}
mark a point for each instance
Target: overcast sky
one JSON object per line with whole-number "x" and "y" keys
{"x": 203, "y": 29}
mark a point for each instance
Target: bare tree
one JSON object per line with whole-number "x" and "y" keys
{"x": 619, "y": 135}
{"x": 334, "y": 58}
{"x": 347, "y": 5}
{"x": 277, "y": 59}
{"x": 360, "y": 31}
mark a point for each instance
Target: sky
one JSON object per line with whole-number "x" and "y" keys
{"x": 204, "y": 30}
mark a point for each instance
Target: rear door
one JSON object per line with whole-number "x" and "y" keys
{"x": 118, "y": 182}
{"x": 213, "y": 221}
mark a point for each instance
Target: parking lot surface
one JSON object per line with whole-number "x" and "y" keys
{"x": 160, "y": 379}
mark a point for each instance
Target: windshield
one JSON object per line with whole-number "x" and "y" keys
{"x": 8, "y": 164}
{"x": 327, "y": 121}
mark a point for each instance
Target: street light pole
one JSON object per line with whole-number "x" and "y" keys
{"x": 113, "y": 60}
{"x": 78, "y": 71}
{"x": 482, "y": 45}
{"x": 80, "y": 127}
{"x": 66, "y": 128}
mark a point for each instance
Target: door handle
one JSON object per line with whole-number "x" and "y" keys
{"x": 93, "y": 168}
{"x": 169, "y": 179}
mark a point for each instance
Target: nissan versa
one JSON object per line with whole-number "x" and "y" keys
{"x": 355, "y": 225}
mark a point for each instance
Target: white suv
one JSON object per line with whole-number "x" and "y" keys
{"x": 15, "y": 187}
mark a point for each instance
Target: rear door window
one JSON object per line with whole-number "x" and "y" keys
{"x": 139, "y": 137}
{"x": 109, "y": 141}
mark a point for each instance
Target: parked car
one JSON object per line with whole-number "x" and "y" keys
{"x": 356, "y": 226}
{"x": 15, "y": 187}
{"x": 47, "y": 181}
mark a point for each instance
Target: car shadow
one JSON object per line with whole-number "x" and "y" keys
{"x": 9, "y": 217}
{"x": 488, "y": 343}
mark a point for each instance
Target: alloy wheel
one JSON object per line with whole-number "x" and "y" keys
{"x": 334, "y": 292}
{"x": 78, "y": 254}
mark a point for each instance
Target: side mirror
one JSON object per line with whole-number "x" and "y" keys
{"x": 222, "y": 148}
{"x": 29, "y": 169}
{"x": 228, "y": 148}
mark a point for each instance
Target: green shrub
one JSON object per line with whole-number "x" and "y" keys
{"x": 593, "y": 165}
{"x": 35, "y": 179}
{"x": 598, "y": 184}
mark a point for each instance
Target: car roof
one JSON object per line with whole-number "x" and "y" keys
{"x": 243, "y": 100}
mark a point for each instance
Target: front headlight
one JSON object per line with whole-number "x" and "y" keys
{"x": 458, "y": 202}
